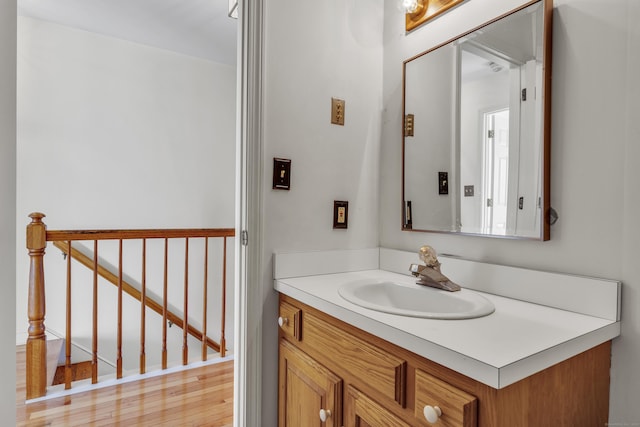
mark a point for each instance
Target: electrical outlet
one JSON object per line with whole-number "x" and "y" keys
{"x": 337, "y": 111}
{"x": 340, "y": 214}
{"x": 468, "y": 191}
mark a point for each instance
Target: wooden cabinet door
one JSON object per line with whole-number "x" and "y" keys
{"x": 362, "y": 411}
{"x": 305, "y": 388}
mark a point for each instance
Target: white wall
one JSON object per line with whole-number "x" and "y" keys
{"x": 315, "y": 51}
{"x": 595, "y": 159}
{"x": 113, "y": 134}
{"x": 8, "y": 203}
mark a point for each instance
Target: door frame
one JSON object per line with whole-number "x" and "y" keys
{"x": 248, "y": 289}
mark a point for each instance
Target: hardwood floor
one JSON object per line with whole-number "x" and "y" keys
{"x": 196, "y": 397}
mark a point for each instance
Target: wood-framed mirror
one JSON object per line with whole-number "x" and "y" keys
{"x": 477, "y": 130}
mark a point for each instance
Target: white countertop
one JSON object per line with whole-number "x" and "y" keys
{"x": 517, "y": 340}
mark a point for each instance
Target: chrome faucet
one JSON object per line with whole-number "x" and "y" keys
{"x": 430, "y": 274}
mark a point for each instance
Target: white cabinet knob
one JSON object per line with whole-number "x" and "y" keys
{"x": 432, "y": 413}
{"x": 325, "y": 414}
{"x": 283, "y": 321}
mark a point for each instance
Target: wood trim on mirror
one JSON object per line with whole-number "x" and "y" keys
{"x": 546, "y": 143}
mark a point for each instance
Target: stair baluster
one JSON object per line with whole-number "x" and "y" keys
{"x": 37, "y": 238}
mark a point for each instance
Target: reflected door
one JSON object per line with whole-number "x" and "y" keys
{"x": 496, "y": 170}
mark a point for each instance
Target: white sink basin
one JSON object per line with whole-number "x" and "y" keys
{"x": 416, "y": 300}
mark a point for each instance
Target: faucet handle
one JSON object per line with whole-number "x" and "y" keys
{"x": 429, "y": 256}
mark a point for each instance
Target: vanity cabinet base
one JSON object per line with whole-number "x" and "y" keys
{"x": 374, "y": 381}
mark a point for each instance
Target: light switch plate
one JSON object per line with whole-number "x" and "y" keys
{"x": 408, "y": 221}
{"x": 337, "y": 111}
{"x": 468, "y": 190}
{"x": 281, "y": 174}
{"x": 408, "y": 124}
{"x": 443, "y": 182}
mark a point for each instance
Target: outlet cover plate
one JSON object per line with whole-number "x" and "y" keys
{"x": 340, "y": 214}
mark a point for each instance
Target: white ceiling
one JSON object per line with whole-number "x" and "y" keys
{"x": 199, "y": 28}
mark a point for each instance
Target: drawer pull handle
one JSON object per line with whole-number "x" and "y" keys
{"x": 432, "y": 413}
{"x": 282, "y": 321}
{"x": 325, "y": 414}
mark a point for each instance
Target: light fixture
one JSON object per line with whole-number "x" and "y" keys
{"x": 413, "y": 6}
{"x": 417, "y": 12}
{"x": 409, "y": 6}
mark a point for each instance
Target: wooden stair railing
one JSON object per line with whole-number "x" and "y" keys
{"x": 130, "y": 290}
{"x": 37, "y": 238}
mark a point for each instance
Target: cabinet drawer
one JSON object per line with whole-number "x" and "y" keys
{"x": 377, "y": 368}
{"x": 459, "y": 409}
{"x": 362, "y": 411}
{"x": 290, "y": 320}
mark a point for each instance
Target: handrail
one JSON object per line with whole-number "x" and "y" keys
{"x": 37, "y": 238}
{"x": 138, "y": 234}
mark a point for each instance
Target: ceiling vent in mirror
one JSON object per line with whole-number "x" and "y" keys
{"x": 233, "y": 9}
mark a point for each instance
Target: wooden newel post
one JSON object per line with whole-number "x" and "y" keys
{"x": 37, "y": 341}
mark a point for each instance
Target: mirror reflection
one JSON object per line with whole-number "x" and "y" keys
{"x": 475, "y": 146}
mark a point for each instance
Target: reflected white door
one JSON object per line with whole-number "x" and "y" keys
{"x": 496, "y": 170}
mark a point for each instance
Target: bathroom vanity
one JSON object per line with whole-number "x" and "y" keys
{"x": 529, "y": 363}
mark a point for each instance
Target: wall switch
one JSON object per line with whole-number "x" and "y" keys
{"x": 337, "y": 111}
{"x": 408, "y": 124}
{"x": 468, "y": 191}
{"x": 408, "y": 221}
{"x": 443, "y": 182}
{"x": 281, "y": 174}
